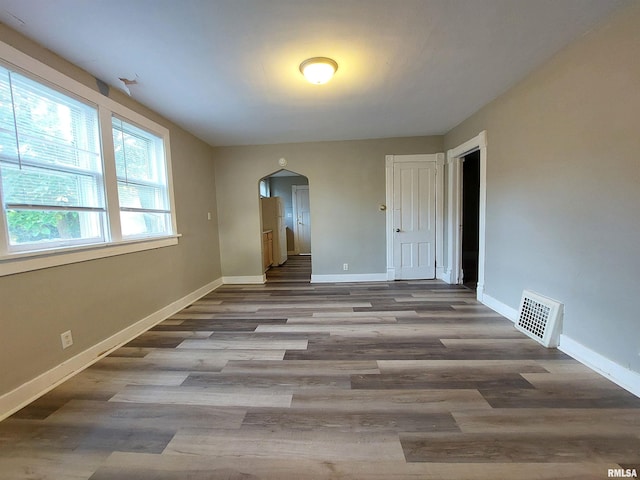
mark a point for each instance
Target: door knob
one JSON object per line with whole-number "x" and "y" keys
{"x": 397, "y": 230}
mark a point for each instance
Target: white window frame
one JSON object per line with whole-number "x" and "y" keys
{"x": 163, "y": 186}
{"x": 98, "y": 176}
{"x": 17, "y": 262}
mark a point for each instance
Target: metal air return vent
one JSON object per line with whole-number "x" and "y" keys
{"x": 540, "y": 318}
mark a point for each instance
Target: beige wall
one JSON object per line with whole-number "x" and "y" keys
{"x": 98, "y": 298}
{"x": 563, "y": 187}
{"x": 346, "y": 186}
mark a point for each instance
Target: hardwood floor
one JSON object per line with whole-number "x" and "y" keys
{"x": 296, "y": 269}
{"x": 291, "y": 380}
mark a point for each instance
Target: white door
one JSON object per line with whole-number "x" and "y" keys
{"x": 302, "y": 219}
{"x": 414, "y": 219}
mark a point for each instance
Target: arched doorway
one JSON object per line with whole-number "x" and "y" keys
{"x": 286, "y": 226}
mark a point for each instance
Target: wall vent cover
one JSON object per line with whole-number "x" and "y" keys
{"x": 540, "y": 318}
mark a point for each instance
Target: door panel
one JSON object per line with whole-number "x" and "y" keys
{"x": 414, "y": 198}
{"x": 302, "y": 230}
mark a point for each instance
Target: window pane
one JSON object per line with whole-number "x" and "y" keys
{"x": 144, "y": 223}
{"x": 141, "y": 196}
{"x": 41, "y": 186}
{"x": 142, "y": 180}
{"x": 46, "y": 226}
{"x": 8, "y": 145}
{"x": 139, "y": 154}
{"x": 53, "y": 129}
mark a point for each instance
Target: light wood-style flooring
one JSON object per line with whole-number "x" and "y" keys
{"x": 291, "y": 380}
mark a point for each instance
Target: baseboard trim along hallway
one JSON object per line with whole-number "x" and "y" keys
{"x": 35, "y": 388}
{"x": 624, "y": 377}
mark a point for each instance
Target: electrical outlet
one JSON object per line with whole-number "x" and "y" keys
{"x": 345, "y": 266}
{"x": 67, "y": 339}
{"x": 208, "y": 215}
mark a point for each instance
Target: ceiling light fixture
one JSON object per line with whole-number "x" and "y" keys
{"x": 318, "y": 70}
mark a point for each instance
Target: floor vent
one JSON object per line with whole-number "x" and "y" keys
{"x": 540, "y": 318}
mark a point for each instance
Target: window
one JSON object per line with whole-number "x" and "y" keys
{"x": 50, "y": 166}
{"x": 67, "y": 192}
{"x": 142, "y": 181}
{"x": 265, "y": 190}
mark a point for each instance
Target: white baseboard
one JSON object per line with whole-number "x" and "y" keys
{"x": 350, "y": 278}
{"x": 440, "y": 273}
{"x": 447, "y": 276}
{"x": 26, "y": 393}
{"x": 244, "y": 280}
{"x": 624, "y": 377}
{"x": 497, "y": 306}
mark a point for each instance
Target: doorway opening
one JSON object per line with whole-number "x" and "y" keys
{"x": 468, "y": 159}
{"x": 286, "y": 227}
{"x": 470, "y": 218}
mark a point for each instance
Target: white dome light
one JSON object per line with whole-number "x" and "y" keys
{"x": 318, "y": 70}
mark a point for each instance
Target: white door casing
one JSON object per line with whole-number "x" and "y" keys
{"x": 454, "y": 213}
{"x": 301, "y": 219}
{"x": 414, "y": 216}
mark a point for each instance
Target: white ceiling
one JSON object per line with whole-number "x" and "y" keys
{"x": 227, "y": 70}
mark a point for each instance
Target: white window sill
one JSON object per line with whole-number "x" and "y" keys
{"x": 28, "y": 261}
